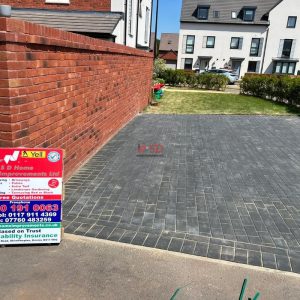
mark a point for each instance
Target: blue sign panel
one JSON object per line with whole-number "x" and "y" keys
{"x": 30, "y": 211}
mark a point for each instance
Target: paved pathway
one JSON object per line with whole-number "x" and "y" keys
{"x": 227, "y": 187}
{"x": 83, "y": 268}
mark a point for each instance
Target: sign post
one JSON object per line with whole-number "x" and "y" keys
{"x": 31, "y": 192}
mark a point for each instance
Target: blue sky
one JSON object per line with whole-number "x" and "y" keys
{"x": 168, "y": 17}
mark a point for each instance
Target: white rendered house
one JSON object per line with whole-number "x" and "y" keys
{"x": 134, "y": 29}
{"x": 126, "y": 22}
{"x": 246, "y": 36}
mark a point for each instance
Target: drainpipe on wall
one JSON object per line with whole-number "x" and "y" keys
{"x": 155, "y": 36}
{"x": 125, "y": 22}
{"x": 137, "y": 23}
{"x": 264, "y": 54}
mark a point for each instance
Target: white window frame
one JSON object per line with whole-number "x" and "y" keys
{"x": 130, "y": 17}
{"x": 147, "y": 24}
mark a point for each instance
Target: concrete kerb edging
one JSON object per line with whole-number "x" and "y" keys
{"x": 84, "y": 239}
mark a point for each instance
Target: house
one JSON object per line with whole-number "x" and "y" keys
{"x": 134, "y": 29}
{"x": 125, "y": 22}
{"x": 168, "y": 49}
{"x": 243, "y": 35}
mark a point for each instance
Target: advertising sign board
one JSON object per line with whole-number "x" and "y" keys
{"x": 31, "y": 192}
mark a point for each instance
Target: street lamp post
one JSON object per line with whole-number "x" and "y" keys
{"x": 156, "y": 23}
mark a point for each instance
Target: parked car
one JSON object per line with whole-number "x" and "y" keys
{"x": 231, "y": 75}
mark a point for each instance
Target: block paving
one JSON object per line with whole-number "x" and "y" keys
{"x": 226, "y": 187}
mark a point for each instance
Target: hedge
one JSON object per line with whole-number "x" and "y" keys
{"x": 182, "y": 78}
{"x": 274, "y": 87}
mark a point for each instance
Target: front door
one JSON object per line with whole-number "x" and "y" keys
{"x": 204, "y": 63}
{"x": 236, "y": 66}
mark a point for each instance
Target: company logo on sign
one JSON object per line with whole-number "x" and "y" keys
{"x": 13, "y": 157}
{"x": 33, "y": 154}
{"x": 54, "y": 156}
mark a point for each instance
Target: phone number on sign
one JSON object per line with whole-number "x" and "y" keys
{"x": 30, "y": 212}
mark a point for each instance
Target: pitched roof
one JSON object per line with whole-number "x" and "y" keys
{"x": 170, "y": 55}
{"x": 169, "y": 41}
{"x": 225, "y": 7}
{"x": 75, "y": 21}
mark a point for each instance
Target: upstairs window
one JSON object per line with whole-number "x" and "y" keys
{"x": 190, "y": 42}
{"x": 254, "y": 47}
{"x": 292, "y": 21}
{"x": 287, "y": 48}
{"x": 210, "y": 42}
{"x": 147, "y": 25}
{"x": 236, "y": 43}
{"x": 140, "y": 9}
{"x": 216, "y": 14}
{"x": 202, "y": 13}
{"x": 130, "y": 17}
{"x": 249, "y": 14}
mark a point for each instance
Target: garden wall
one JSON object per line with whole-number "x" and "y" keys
{"x": 59, "y": 89}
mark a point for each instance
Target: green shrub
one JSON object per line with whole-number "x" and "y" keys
{"x": 294, "y": 95}
{"x": 159, "y": 67}
{"x": 274, "y": 87}
{"x": 211, "y": 81}
{"x": 159, "y": 80}
{"x": 190, "y": 79}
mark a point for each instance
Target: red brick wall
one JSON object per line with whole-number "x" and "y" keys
{"x": 93, "y": 5}
{"x": 59, "y": 89}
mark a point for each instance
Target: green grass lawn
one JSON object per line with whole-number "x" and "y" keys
{"x": 217, "y": 103}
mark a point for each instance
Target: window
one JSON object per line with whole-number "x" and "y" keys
{"x": 216, "y": 14}
{"x": 287, "y": 48}
{"x": 210, "y": 42}
{"x": 252, "y": 65}
{"x": 146, "y": 35}
{"x": 285, "y": 68}
{"x": 130, "y": 17}
{"x": 235, "y": 43}
{"x": 188, "y": 64}
{"x": 190, "y": 41}
{"x": 292, "y": 21}
{"x": 202, "y": 13}
{"x": 249, "y": 14}
{"x": 233, "y": 15}
{"x": 140, "y": 9}
{"x": 254, "y": 47}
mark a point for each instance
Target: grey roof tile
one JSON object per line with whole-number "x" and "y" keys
{"x": 75, "y": 21}
{"x": 225, "y": 7}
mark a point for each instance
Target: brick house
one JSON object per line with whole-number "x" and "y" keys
{"x": 168, "y": 49}
{"x": 125, "y": 22}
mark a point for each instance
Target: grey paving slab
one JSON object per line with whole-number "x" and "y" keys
{"x": 226, "y": 187}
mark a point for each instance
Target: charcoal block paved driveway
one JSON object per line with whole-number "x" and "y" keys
{"x": 227, "y": 187}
